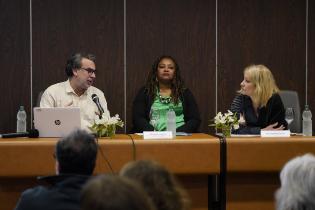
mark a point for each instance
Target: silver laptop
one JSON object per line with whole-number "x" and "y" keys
{"x": 56, "y": 122}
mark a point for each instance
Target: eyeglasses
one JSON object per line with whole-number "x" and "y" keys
{"x": 89, "y": 70}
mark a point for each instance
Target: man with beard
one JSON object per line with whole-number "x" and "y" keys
{"x": 77, "y": 91}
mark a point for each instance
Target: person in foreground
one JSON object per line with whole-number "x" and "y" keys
{"x": 77, "y": 91}
{"x": 258, "y": 105}
{"x": 108, "y": 192}
{"x": 161, "y": 186}
{"x": 75, "y": 161}
{"x": 165, "y": 90}
{"x": 297, "y": 191}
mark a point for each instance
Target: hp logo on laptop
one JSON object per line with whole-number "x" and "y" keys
{"x": 57, "y": 122}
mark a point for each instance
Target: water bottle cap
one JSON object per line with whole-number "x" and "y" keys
{"x": 171, "y": 107}
{"x": 21, "y": 108}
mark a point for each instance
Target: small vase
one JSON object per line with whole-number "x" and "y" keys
{"x": 226, "y": 131}
{"x": 111, "y": 131}
{"x": 107, "y": 131}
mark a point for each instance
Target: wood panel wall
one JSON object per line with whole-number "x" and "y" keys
{"x": 311, "y": 56}
{"x": 14, "y": 61}
{"x": 261, "y": 32}
{"x": 175, "y": 28}
{"x": 61, "y": 28}
{"x": 248, "y": 31}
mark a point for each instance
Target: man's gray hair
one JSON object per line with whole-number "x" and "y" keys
{"x": 297, "y": 191}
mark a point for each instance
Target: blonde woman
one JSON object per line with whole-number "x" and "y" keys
{"x": 258, "y": 104}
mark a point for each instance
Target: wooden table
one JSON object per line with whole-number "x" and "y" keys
{"x": 191, "y": 158}
{"x": 253, "y": 166}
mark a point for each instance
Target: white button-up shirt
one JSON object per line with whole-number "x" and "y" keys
{"x": 63, "y": 95}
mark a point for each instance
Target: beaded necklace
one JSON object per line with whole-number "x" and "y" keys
{"x": 164, "y": 100}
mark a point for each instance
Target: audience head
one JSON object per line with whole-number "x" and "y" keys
{"x": 76, "y": 153}
{"x": 159, "y": 183}
{"x": 297, "y": 191}
{"x": 258, "y": 83}
{"x": 165, "y": 70}
{"x": 109, "y": 192}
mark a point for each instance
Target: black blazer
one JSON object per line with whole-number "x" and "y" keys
{"x": 271, "y": 113}
{"x": 142, "y": 106}
{"x": 64, "y": 193}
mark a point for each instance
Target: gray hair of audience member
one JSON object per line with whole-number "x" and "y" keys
{"x": 297, "y": 191}
{"x": 74, "y": 62}
{"x": 161, "y": 186}
{"x": 76, "y": 153}
{"x": 109, "y": 192}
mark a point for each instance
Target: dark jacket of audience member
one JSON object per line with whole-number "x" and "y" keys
{"x": 75, "y": 162}
{"x": 159, "y": 183}
{"x": 109, "y": 192}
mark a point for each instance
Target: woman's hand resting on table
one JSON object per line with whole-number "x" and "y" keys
{"x": 272, "y": 127}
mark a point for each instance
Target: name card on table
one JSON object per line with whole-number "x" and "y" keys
{"x": 282, "y": 133}
{"x": 157, "y": 135}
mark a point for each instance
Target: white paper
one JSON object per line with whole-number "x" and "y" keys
{"x": 282, "y": 133}
{"x": 157, "y": 135}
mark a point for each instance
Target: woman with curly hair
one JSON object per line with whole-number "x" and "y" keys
{"x": 161, "y": 186}
{"x": 165, "y": 90}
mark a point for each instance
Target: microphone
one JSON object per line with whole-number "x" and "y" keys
{"x": 97, "y": 102}
{"x": 33, "y": 133}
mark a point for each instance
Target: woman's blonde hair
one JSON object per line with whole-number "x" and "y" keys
{"x": 263, "y": 81}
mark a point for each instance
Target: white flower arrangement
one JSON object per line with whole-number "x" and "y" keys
{"x": 226, "y": 121}
{"x": 106, "y": 126}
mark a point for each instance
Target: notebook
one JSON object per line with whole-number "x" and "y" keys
{"x": 56, "y": 122}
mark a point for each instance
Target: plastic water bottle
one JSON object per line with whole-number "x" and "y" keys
{"x": 21, "y": 120}
{"x": 307, "y": 121}
{"x": 171, "y": 122}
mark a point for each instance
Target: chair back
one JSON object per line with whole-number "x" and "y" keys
{"x": 291, "y": 99}
{"x": 39, "y": 97}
